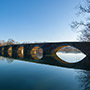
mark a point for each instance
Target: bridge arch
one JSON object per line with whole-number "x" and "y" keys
{"x": 2, "y": 50}
{"x": 58, "y": 48}
{"x": 36, "y": 53}
{"x": 20, "y": 51}
{"x": 10, "y": 51}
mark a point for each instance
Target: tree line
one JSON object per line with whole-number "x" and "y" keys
{"x": 8, "y": 42}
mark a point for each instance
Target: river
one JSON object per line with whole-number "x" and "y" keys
{"x": 23, "y": 75}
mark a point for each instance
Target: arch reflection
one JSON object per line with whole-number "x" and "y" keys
{"x": 50, "y": 60}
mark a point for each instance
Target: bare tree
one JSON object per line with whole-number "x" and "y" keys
{"x": 10, "y": 42}
{"x": 83, "y": 26}
{"x": 2, "y": 43}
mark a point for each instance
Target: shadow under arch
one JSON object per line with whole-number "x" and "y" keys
{"x": 10, "y": 51}
{"x": 20, "y": 51}
{"x": 36, "y": 53}
{"x": 60, "y": 59}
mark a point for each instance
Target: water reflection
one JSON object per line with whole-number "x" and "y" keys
{"x": 83, "y": 77}
{"x": 71, "y": 57}
{"x": 70, "y": 54}
{"x": 2, "y": 58}
{"x": 30, "y": 76}
{"x": 19, "y": 75}
{"x": 50, "y": 60}
{"x": 9, "y": 60}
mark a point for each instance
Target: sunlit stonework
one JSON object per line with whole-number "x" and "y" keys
{"x": 20, "y": 51}
{"x": 36, "y": 53}
{"x": 10, "y": 51}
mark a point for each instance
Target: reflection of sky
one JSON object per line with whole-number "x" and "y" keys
{"x": 37, "y": 20}
{"x": 71, "y": 57}
{"x": 24, "y": 75}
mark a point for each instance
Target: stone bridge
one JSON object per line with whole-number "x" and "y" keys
{"x": 39, "y": 51}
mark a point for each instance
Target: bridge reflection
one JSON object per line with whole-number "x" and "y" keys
{"x": 50, "y": 60}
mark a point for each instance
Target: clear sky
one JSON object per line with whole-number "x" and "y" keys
{"x": 37, "y": 20}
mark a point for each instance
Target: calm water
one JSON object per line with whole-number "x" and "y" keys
{"x": 71, "y": 57}
{"x": 22, "y": 75}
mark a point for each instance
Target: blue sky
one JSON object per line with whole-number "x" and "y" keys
{"x": 37, "y": 20}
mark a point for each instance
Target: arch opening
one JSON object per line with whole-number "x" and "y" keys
{"x": 20, "y": 52}
{"x": 37, "y": 53}
{"x": 3, "y": 51}
{"x": 68, "y": 54}
{"x": 10, "y": 51}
